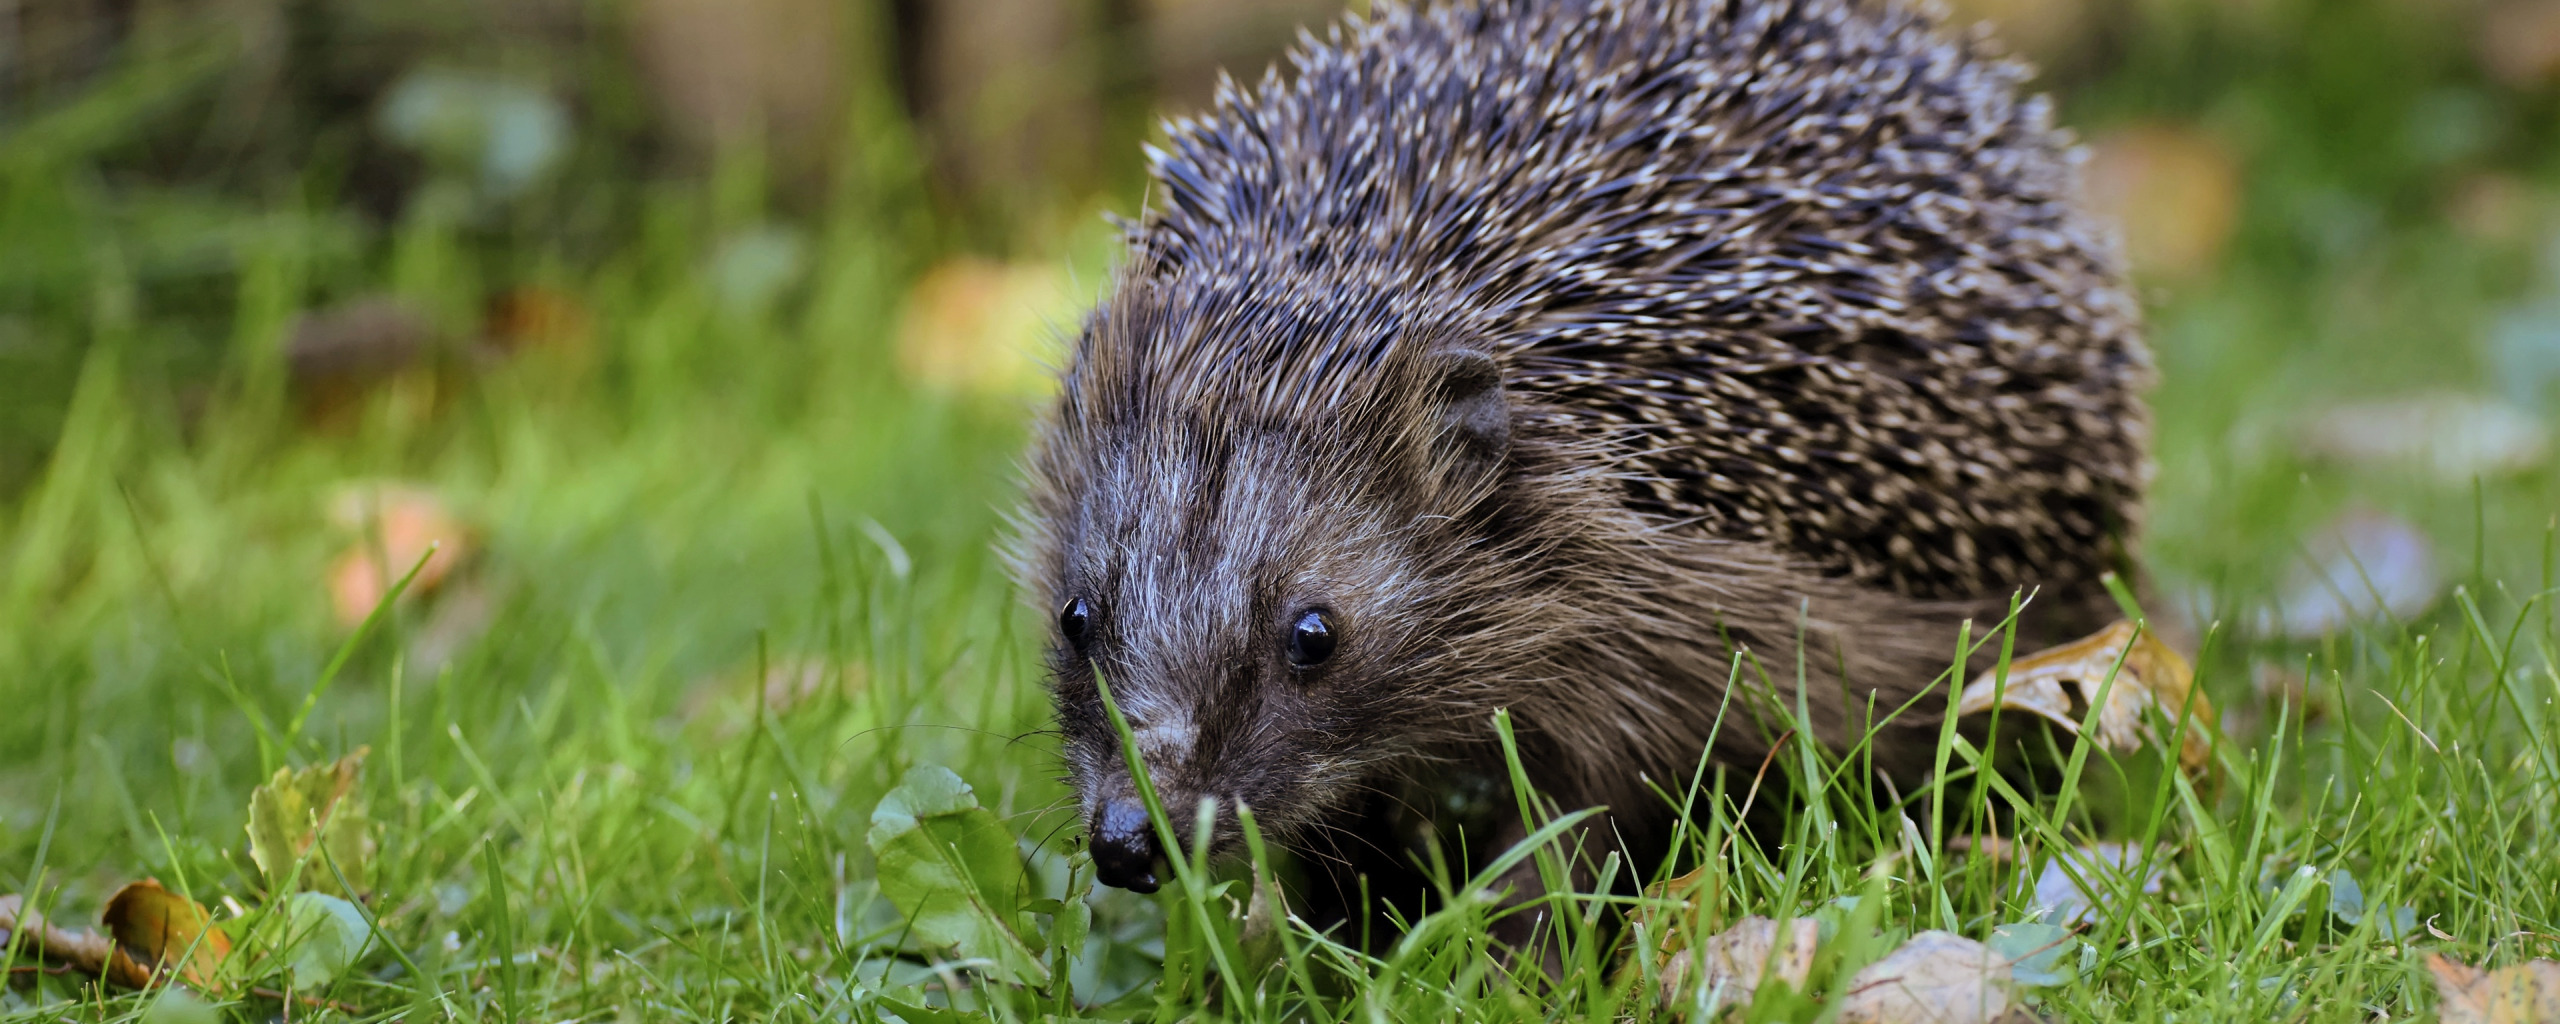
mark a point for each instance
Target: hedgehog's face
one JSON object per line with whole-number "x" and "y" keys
{"x": 1258, "y": 601}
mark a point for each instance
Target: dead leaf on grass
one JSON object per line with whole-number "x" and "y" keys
{"x": 2070, "y": 884}
{"x": 2526, "y": 993}
{"x": 320, "y": 805}
{"x": 395, "y": 526}
{"x": 2061, "y": 683}
{"x": 167, "y": 932}
{"x": 30, "y": 932}
{"x": 1936, "y": 978}
{"x": 1732, "y": 963}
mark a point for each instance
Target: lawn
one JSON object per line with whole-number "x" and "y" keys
{"x": 722, "y": 569}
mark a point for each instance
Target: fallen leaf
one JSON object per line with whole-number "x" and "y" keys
{"x": 2526, "y": 993}
{"x": 2036, "y": 952}
{"x": 322, "y": 805}
{"x": 977, "y": 326}
{"x": 2060, "y": 683}
{"x": 88, "y": 952}
{"x": 2069, "y": 884}
{"x": 2452, "y": 437}
{"x": 2347, "y": 903}
{"x": 1732, "y": 963}
{"x": 951, "y": 866}
{"x": 2363, "y": 566}
{"x": 158, "y": 928}
{"x": 176, "y": 1005}
{"x": 2174, "y": 192}
{"x": 323, "y": 936}
{"x": 1936, "y": 978}
{"x": 395, "y": 526}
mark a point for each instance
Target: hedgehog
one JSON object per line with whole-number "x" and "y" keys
{"x": 1668, "y": 374}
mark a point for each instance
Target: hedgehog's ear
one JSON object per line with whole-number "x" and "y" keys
{"x": 1469, "y": 389}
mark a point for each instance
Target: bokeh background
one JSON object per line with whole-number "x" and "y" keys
{"x": 699, "y": 337}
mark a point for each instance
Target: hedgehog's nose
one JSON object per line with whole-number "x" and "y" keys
{"x": 1124, "y": 846}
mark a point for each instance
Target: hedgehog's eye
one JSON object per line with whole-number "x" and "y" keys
{"x": 1075, "y": 622}
{"x": 1312, "y": 639}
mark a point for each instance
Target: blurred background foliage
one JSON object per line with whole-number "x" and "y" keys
{"x": 235, "y": 194}
{"x": 796, "y": 263}
{"x": 249, "y": 198}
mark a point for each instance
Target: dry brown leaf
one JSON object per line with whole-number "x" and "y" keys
{"x": 2064, "y": 900}
{"x": 85, "y": 951}
{"x": 395, "y": 527}
{"x": 1740, "y": 957}
{"x": 2173, "y": 190}
{"x": 2060, "y": 683}
{"x": 2526, "y": 993}
{"x": 1936, "y": 978}
{"x": 156, "y": 927}
{"x": 978, "y": 326}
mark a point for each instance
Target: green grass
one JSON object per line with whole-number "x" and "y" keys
{"x": 588, "y": 812}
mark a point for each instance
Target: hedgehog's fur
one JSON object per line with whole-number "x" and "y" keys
{"x": 1562, "y": 348}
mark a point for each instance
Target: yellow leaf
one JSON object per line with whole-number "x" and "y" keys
{"x": 164, "y": 931}
{"x": 2060, "y": 683}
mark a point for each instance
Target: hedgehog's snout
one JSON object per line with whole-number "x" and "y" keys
{"x": 1125, "y": 855}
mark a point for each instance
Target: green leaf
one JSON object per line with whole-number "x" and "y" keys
{"x": 323, "y": 936}
{"x": 2346, "y": 898}
{"x": 954, "y": 870}
{"x": 2035, "y": 952}
{"x": 176, "y": 1005}
{"x": 324, "y": 806}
